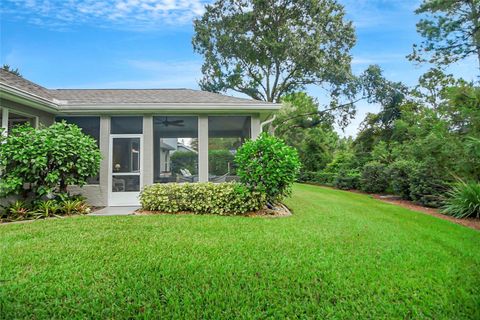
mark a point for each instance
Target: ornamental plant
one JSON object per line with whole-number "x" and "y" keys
{"x": 463, "y": 200}
{"x": 45, "y": 161}
{"x": 228, "y": 198}
{"x": 268, "y": 165}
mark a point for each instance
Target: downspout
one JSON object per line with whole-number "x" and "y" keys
{"x": 264, "y": 123}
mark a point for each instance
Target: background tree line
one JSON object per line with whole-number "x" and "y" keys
{"x": 423, "y": 139}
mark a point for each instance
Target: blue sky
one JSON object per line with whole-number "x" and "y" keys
{"x": 147, "y": 43}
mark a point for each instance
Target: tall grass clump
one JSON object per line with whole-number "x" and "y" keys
{"x": 463, "y": 200}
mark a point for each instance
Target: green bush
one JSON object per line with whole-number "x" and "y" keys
{"x": 325, "y": 177}
{"x": 347, "y": 180}
{"x": 201, "y": 198}
{"x": 374, "y": 177}
{"x": 47, "y": 160}
{"x": 399, "y": 173}
{"x": 268, "y": 165}
{"x": 463, "y": 200}
{"x": 184, "y": 160}
{"x": 428, "y": 186}
{"x": 221, "y": 162}
{"x": 306, "y": 176}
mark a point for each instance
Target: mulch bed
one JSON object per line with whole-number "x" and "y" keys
{"x": 277, "y": 211}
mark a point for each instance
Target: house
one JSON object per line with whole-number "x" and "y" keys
{"x": 146, "y": 136}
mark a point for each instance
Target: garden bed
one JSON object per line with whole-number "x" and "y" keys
{"x": 278, "y": 211}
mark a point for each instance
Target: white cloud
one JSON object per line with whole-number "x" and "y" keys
{"x": 371, "y": 14}
{"x": 122, "y": 14}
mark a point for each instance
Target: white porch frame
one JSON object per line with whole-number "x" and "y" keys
{"x": 4, "y": 119}
{"x": 6, "y": 116}
{"x": 124, "y": 198}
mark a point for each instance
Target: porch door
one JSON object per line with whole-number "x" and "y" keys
{"x": 126, "y": 169}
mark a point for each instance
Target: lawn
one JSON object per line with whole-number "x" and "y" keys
{"x": 341, "y": 255}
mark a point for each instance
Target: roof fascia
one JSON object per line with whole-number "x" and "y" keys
{"x": 27, "y": 98}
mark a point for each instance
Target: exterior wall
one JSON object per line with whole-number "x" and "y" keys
{"x": 256, "y": 126}
{"x": 97, "y": 195}
{"x": 203, "y": 148}
{"x": 44, "y": 118}
{"x": 147, "y": 150}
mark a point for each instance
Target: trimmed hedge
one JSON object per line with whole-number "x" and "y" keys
{"x": 229, "y": 198}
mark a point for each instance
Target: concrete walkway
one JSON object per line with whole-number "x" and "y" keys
{"x": 115, "y": 211}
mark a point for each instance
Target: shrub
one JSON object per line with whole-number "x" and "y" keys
{"x": 399, "y": 174}
{"x": 200, "y": 198}
{"x": 374, "y": 177}
{"x": 74, "y": 206}
{"x": 347, "y": 180}
{"x": 306, "y": 176}
{"x": 268, "y": 165}
{"x": 47, "y": 160}
{"x": 463, "y": 200}
{"x": 221, "y": 162}
{"x": 20, "y": 210}
{"x": 325, "y": 177}
{"x": 428, "y": 186}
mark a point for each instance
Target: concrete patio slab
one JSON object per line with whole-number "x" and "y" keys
{"x": 115, "y": 211}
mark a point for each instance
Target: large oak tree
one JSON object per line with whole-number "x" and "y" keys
{"x": 269, "y": 48}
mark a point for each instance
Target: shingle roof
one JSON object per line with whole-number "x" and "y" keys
{"x": 24, "y": 85}
{"x": 131, "y": 96}
{"x": 121, "y": 96}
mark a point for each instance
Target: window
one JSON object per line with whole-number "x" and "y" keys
{"x": 89, "y": 126}
{"x": 225, "y": 135}
{"x": 175, "y": 147}
{"x": 126, "y": 125}
{"x": 18, "y": 120}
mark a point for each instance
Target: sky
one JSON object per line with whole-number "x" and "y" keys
{"x": 147, "y": 43}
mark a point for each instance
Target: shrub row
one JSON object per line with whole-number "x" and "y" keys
{"x": 407, "y": 179}
{"x": 200, "y": 198}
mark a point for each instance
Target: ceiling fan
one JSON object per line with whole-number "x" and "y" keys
{"x": 174, "y": 123}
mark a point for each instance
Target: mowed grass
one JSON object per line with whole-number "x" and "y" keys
{"x": 341, "y": 255}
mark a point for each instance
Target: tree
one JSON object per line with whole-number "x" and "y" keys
{"x": 8, "y": 68}
{"x": 313, "y": 135}
{"x": 451, "y": 31}
{"x": 267, "y": 49}
{"x": 47, "y": 160}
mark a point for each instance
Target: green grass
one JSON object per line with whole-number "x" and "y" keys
{"x": 341, "y": 255}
